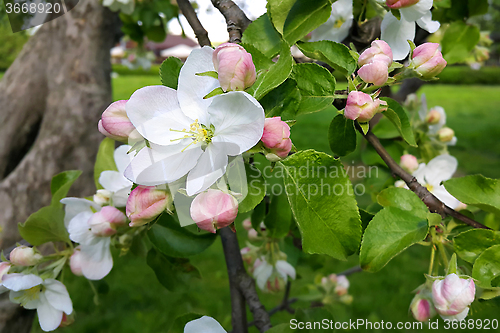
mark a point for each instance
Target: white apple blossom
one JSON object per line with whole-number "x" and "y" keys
{"x": 49, "y": 297}
{"x": 114, "y": 181}
{"x": 338, "y": 25}
{"x": 436, "y": 112}
{"x": 263, "y": 271}
{"x": 204, "y": 324}
{"x": 431, "y": 175}
{"x": 188, "y": 134}
{"x": 95, "y": 257}
{"x": 396, "y": 32}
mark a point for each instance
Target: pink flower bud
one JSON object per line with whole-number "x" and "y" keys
{"x": 422, "y": 308}
{"x": 375, "y": 72}
{"x": 433, "y": 117}
{"x": 452, "y": 296}
{"x": 104, "y": 222}
{"x": 114, "y": 122}
{"x": 247, "y": 224}
{"x": 362, "y": 107}
{"x": 276, "y": 137}
{"x": 446, "y": 134}
{"x": 396, "y": 4}
{"x": 24, "y": 256}
{"x": 409, "y": 163}
{"x": 213, "y": 209}
{"x": 428, "y": 60}
{"x": 75, "y": 262}
{"x": 4, "y": 269}
{"x": 145, "y": 203}
{"x": 379, "y": 51}
{"x": 235, "y": 67}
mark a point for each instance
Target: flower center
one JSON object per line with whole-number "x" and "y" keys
{"x": 198, "y": 132}
{"x": 338, "y": 23}
{"x": 29, "y": 295}
{"x": 430, "y": 188}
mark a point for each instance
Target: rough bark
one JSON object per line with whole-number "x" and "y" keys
{"x": 50, "y": 101}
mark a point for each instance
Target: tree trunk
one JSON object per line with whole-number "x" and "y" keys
{"x": 50, "y": 101}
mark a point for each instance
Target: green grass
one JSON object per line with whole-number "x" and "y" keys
{"x": 132, "y": 300}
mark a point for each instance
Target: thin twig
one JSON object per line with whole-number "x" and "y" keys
{"x": 352, "y": 270}
{"x": 236, "y": 19}
{"x": 434, "y": 204}
{"x": 190, "y": 15}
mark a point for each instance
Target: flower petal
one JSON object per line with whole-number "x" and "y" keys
{"x": 262, "y": 273}
{"x": 416, "y": 11}
{"x": 285, "y": 269}
{"x": 17, "y": 281}
{"x": 49, "y": 317}
{"x": 122, "y": 159}
{"x": 75, "y": 206}
{"x": 154, "y": 111}
{"x": 204, "y": 324}
{"x": 79, "y": 229}
{"x": 397, "y": 33}
{"x": 120, "y": 197}
{"x": 192, "y": 88}
{"x": 15, "y": 297}
{"x": 433, "y": 129}
{"x": 426, "y": 23}
{"x": 210, "y": 167}
{"x": 238, "y": 120}
{"x": 341, "y": 10}
{"x": 442, "y": 194}
{"x": 163, "y": 164}
{"x": 96, "y": 259}
{"x": 58, "y": 296}
{"x": 440, "y": 168}
{"x": 113, "y": 180}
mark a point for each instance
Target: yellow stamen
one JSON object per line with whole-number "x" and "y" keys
{"x": 29, "y": 295}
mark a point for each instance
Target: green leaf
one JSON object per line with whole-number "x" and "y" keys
{"x": 398, "y": 116}
{"x": 61, "y": 183}
{"x": 278, "y": 220}
{"x": 477, "y": 7}
{"x": 281, "y": 328}
{"x": 276, "y": 75}
{"x": 385, "y": 129}
{"x": 342, "y": 135}
{"x": 258, "y": 215}
{"x": 262, "y": 35}
{"x": 403, "y": 199}
{"x": 45, "y": 225}
{"x": 278, "y": 11}
{"x": 173, "y": 240}
{"x": 476, "y": 190}
{"x": 282, "y": 101}
{"x": 313, "y": 315}
{"x": 323, "y": 203}
{"x": 452, "y": 266}
{"x": 334, "y": 54}
{"x": 173, "y": 273}
{"x": 316, "y": 85}
{"x": 169, "y": 72}
{"x": 304, "y": 17}
{"x": 212, "y": 74}
{"x": 215, "y": 92}
{"x": 259, "y": 59}
{"x": 471, "y": 243}
{"x": 487, "y": 267}
{"x": 256, "y": 189}
{"x": 156, "y": 33}
{"x": 389, "y": 233}
{"x": 104, "y": 160}
{"x": 442, "y": 3}
{"x": 458, "y": 41}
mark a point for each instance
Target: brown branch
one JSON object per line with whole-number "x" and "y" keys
{"x": 433, "y": 203}
{"x": 188, "y": 11}
{"x": 236, "y": 19}
{"x": 235, "y": 267}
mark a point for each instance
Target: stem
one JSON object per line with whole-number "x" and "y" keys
{"x": 188, "y": 12}
{"x": 433, "y": 203}
{"x": 234, "y": 264}
{"x": 433, "y": 256}
{"x": 444, "y": 257}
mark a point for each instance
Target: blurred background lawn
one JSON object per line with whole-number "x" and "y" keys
{"x": 132, "y": 300}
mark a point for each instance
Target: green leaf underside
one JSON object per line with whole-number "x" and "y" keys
{"x": 487, "y": 267}
{"x": 316, "y": 85}
{"x": 334, "y": 54}
{"x": 305, "y": 16}
{"x": 262, "y": 35}
{"x": 329, "y": 223}
{"x": 61, "y": 184}
{"x": 398, "y": 116}
{"x": 45, "y": 225}
{"x": 282, "y": 101}
{"x": 458, "y": 40}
